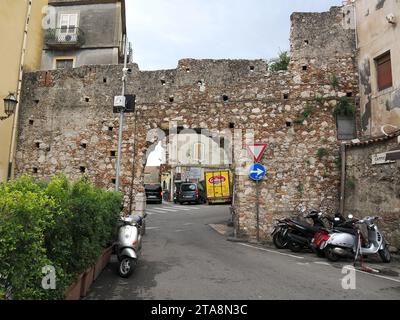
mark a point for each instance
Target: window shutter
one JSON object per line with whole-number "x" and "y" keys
{"x": 384, "y": 70}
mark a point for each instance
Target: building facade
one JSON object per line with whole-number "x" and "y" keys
{"x": 378, "y": 44}
{"x": 84, "y": 33}
{"x": 15, "y": 18}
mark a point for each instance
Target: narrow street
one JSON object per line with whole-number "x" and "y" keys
{"x": 184, "y": 258}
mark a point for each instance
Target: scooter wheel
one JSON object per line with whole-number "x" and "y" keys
{"x": 330, "y": 255}
{"x": 294, "y": 246}
{"x": 126, "y": 267}
{"x": 279, "y": 240}
{"x": 385, "y": 254}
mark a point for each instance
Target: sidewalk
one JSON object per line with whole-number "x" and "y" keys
{"x": 391, "y": 269}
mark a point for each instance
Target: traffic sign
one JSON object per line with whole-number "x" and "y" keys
{"x": 257, "y": 150}
{"x": 257, "y": 172}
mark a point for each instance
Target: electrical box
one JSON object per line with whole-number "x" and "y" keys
{"x": 129, "y": 102}
{"x": 119, "y": 101}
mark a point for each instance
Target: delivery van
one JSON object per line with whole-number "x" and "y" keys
{"x": 218, "y": 186}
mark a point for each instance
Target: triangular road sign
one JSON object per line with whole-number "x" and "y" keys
{"x": 257, "y": 150}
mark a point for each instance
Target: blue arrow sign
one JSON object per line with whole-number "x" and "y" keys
{"x": 257, "y": 172}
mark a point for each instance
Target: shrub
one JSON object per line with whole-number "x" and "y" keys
{"x": 62, "y": 224}
{"x": 280, "y": 63}
{"x": 308, "y": 110}
{"x": 344, "y": 107}
{"x": 322, "y": 152}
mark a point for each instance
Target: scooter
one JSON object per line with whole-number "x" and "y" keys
{"x": 129, "y": 245}
{"x": 287, "y": 226}
{"x": 352, "y": 243}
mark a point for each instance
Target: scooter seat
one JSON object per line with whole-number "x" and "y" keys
{"x": 346, "y": 230}
{"x": 307, "y": 226}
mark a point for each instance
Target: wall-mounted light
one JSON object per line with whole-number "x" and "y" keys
{"x": 10, "y": 102}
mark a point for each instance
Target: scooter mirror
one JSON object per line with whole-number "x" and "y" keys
{"x": 350, "y": 216}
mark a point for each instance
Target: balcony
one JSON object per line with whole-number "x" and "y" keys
{"x": 62, "y": 38}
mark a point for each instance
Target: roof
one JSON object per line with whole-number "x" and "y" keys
{"x": 355, "y": 143}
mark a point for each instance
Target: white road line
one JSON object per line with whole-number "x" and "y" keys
{"x": 169, "y": 210}
{"x": 152, "y": 228}
{"x": 273, "y": 251}
{"x": 179, "y": 230}
{"x": 378, "y": 276}
{"x": 323, "y": 263}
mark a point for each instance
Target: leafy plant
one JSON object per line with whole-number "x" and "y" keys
{"x": 322, "y": 152}
{"x": 334, "y": 81}
{"x": 350, "y": 183}
{"x": 280, "y": 63}
{"x": 338, "y": 163}
{"x": 308, "y": 110}
{"x": 344, "y": 107}
{"x": 60, "y": 224}
{"x": 300, "y": 187}
{"x": 319, "y": 99}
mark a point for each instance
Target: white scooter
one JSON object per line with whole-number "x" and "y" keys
{"x": 130, "y": 232}
{"x": 350, "y": 242}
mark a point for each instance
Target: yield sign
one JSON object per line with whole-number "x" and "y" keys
{"x": 257, "y": 150}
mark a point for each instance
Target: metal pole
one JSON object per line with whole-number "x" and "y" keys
{"x": 342, "y": 178}
{"x": 258, "y": 209}
{"x": 121, "y": 116}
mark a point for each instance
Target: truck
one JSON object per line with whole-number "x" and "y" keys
{"x": 218, "y": 186}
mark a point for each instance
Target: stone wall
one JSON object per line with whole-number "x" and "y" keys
{"x": 374, "y": 190}
{"x": 67, "y": 124}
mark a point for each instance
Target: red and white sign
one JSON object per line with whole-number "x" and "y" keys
{"x": 257, "y": 150}
{"x": 216, "y": 179}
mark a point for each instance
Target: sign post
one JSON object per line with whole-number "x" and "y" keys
{"x": 257, "y": 173}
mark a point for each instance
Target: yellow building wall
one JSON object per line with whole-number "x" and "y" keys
{"x": 12, "y": 24}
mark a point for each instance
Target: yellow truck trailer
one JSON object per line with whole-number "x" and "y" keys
{"x": 218, "y": 186}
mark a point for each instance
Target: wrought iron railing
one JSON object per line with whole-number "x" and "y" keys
{"x": 64, "y": 37}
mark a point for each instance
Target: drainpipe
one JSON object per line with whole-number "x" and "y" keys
{"x": 18, "y": 93}
{"x": 342, "y": 177}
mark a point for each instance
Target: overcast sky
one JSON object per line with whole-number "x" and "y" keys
{"x": 165, "y": 31}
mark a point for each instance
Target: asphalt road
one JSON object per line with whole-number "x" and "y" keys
{"x": 183, "y": 258}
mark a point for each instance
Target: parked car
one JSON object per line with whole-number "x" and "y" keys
{"x": 153, "y": 193}
{"x": 191, "y": 192}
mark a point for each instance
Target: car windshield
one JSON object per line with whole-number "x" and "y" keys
{"x": 152, "y": 187}
{"x": 188, "y": 187}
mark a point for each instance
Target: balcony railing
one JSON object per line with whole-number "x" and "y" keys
{"x": 64, "y": 38}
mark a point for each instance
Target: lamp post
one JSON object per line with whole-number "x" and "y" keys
{"x": 10, "y": 102}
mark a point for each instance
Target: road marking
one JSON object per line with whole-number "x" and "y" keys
{"x": 323, "y": 263}
{"x": 152, "y": 228}
{"x": 303, "y": 263}
{"x": 378, "y": 276}
{"x": 188, "y": 224}
{"x": 169, "y": 210}
{"x": 273, "y": 251}
{"x": 179, "y": 230}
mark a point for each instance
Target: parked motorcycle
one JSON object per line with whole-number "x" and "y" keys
{"x": 286, "y": 226}
{"x": 130, "y": 232}
{"x": 300, "y": 234}
{"x": 352, "y": 243}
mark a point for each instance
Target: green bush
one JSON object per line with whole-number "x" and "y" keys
{"x": 344, "y": 107}
{"x": 280, "y": 63}
{"x": 61, "y": 224}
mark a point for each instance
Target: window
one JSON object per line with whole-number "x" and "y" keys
{"x": 198, "y": 151}
{"x": 68, "y": 22}
{"x": 64, "y": 63}
{"x": 384, "y": 71}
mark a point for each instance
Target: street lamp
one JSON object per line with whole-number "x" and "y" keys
{"x": 10, "y": 102}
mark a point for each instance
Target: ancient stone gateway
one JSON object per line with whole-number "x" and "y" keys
{"x": 67, "y": 124}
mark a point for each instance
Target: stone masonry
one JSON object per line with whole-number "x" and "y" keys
{"x": 67, "y": 124}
